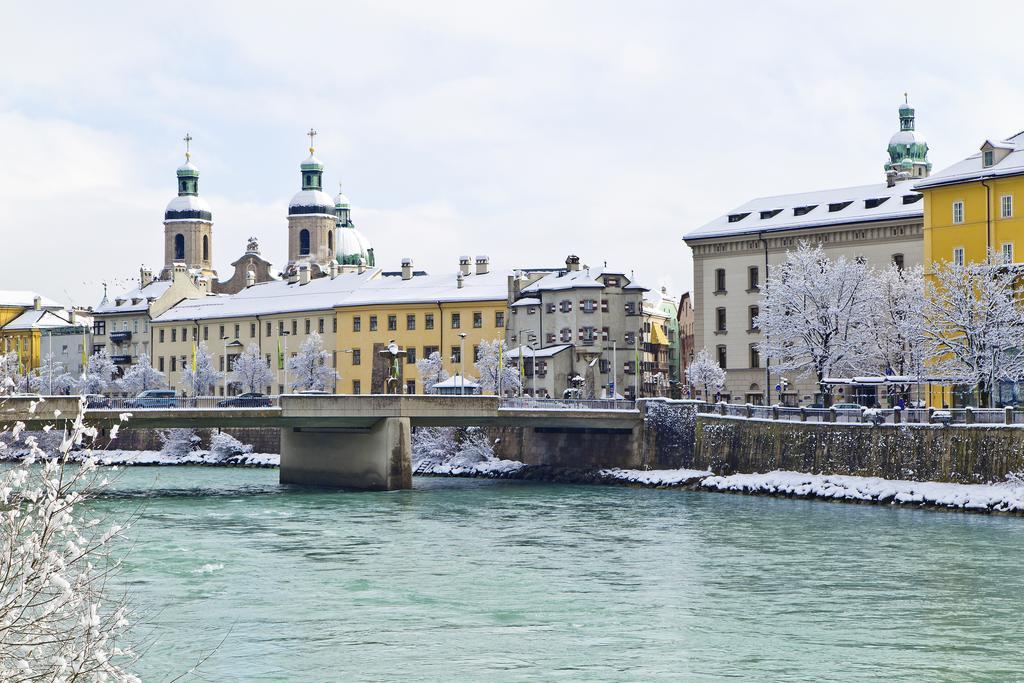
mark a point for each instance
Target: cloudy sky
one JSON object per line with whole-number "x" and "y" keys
{"x": 526, "y": 131}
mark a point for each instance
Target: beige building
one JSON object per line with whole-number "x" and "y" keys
{"x": 734, "y": 254}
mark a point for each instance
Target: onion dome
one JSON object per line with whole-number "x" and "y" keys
{"x": 312, "y": 198}
{"x": 353, "y": 246}
{"x": 188, "y": 205}
{"x": 907, "y": 149}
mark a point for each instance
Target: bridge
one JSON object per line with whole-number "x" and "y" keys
{"x": 349, "y": 441}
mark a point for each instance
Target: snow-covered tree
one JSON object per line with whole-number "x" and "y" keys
{"x": 10, "y": 372}
{"x": 310, "y": 369}
{"x": 813, "y": 315}
{"x": 59, "y": 620}
{"x": 493, "y": 369}
{"x": 99, "y": 374}
{"x": 200, "y": 377}
{"x": 224, "y": 446}
{"x": 895, "y": 339}
{"x": 52, "y": 377}
{"x": 178, "y": 441}
{"x": 975, "y": 330}
{"x": 704, "y": 371}
{"x": 250, "y": 370}
{"x": 431, "y": 371}
{"x": 142, "y": 376}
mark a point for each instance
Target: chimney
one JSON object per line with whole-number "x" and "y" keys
{"x": 304, "y": 274}
{"x": 482, "y": 265}
{"x": 250, "y": 278}
{"x": 407, "y": 269}
{"x": 145, "y": 276}
{"x": 572, "y": 263}
{"x": 293, "y": 275}
{"x": 72, "y": 316}
{"x": 37, "y": 302}
{"x": 464, "y": 265}
{"x": 890, "y": 178}
{"x": 334, "y": 269}
{"x": 460, "y": 280}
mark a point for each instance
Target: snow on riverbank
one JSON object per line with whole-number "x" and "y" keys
{"x": 128, "y": 458}
{"x": 495, "y": 467}
{"x": 656, "y": 477}
{"x": 1002, "y": 497}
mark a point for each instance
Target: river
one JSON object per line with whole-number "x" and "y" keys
{"x": 464, "y": 579}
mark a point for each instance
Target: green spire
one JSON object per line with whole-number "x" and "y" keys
{"x": 312, "y": 169}
{"x": 188, "y": 174}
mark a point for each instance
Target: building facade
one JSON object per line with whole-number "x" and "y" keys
{"x": 20, "y": 330}
{"x": 733, "y": 256}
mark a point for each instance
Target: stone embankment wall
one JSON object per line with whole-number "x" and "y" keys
{"x": 962, "y": 454}
{"x": 262, "y": 439}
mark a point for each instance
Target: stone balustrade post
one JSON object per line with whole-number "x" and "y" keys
{"x": 832, "y": 414}
{"x": 775, "y": 412}
{"x": 931, "y": 415}
{"x": 803, "y": 414}
{"x": 1008, "y": 415}
{"x": 969, "y": 415}
{"x": 749, "y": 411}
{"x": 897, "y": 415}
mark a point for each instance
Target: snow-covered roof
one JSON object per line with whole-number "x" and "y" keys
{"x": 972, "y": 167}
{"x": 526, "y": 301}
{"x": 23, "y": 298}
{"x": 135, "y": 300}
{"x": 46, "y": 319}
{"x": 188, "y": 168}
{"x": 273, "y": 297}
{"x": 188, "y": 202}
{"x": 864, "y": 203}
{"x": 312, "y": 198}
{"x": 545, "y": 352}
{"x": 584, "y": 278}
{"x": 352, "y": 243}
{"x": 340, "y": 199}
{"x": 491, "y": 286}
{"x": 906, "y": 137}
{"x": 456, "y": 381}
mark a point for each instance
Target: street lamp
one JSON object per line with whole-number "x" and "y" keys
{"x": 462, "y": 361}
{"x": 531, "y": 338}
{"x": 336, "y": 378}
{"x": 284, "y": 359}
{"x": 614, "y": 379}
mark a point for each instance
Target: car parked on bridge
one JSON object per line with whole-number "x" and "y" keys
{"x": 96, "y": 401}
{"x": 250, "y": 399}
{"x": 154, "y": 398}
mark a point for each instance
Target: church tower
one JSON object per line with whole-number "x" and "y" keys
{"x": 188, "y": 224}
{"x": 908, "y": 152}
{"x": 311, "y": 219}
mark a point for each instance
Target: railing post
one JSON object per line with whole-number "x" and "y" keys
{"x": 969, "y": 415}
{"x": 721, "y": 409}
{"x": 931, "y": 415}
{"x": 897, "y": 415}
{"x": 1008, "y": 415}
{"x": 749, "y": 411}
{"x": 832, "y": 414}
{"x": 803, "y": 414}
{"x": 775, "y": 412}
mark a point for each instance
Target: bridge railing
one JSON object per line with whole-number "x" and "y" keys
{"x": 182, "y": 402}
{"x": 527, "y": 403}
{"x": 980, "y": 416}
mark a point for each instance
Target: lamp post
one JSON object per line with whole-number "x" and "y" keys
{"x": 615, "y": 368}
{"x": 636, "y": 365}
{"x": 336, "y": 379}
{"x": 531, "y": 338}
{"x": 462, "y": 362}
{"x": 284, "y": 359}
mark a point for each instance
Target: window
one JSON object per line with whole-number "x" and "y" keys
{"x": 1006, "y": 206}
{"x": 410, "y": 386}
{"x": 357, "y": 356}
{"x": 270, "y": 330}
{"x": 206, "y": 248}
{"x": 629, "y": 338}
{"x": 308, "y": 325}
{"x": 721, "y": 356}
{"x": 174, "y": 363}
{"x": 252, "y": 330}
{"x": 499, "y": 318}
{"x": 456, "y": 321}
{"x": 357, "y": 323}
{"x": 755, "y": 356}
{"x": 295, "y": 327}
{"x": 456, "y": 354}
{"x": 410, "y": 321}
{"x": 221, "y": 332}
{"x": 1007, "y": 251}
{"x": 304, "y": 242}
{"x": 179, "y": 247}
{"x": 476, "y": 353}
{"x": 604, "y": 366}
{"x": 604, "y": 305}
{"x": 549, "y": 338}
{"x": 588, "y": 305}
{"x": 565, "y": 306}
{"x": 357, "y": 386}
{"x": 99, "y": 328}
{"x": 280, "y": 328}
{"x": 334, "y": 325}
{"x": 565, "y": 335}
{"x": 428, "y": 321}
{"x": 184, "y": 334}
{"x": 174, "y": 334}
{"x": 410, "y": 355}
{"x": 720, "y": 281}
{"x": 161, "y": 335}
{"x": 160, "y": 364}
{"x": 478, "y": 319}
{"x": 753, "y": 279}
{"x": 135, "y": 326}
{"x": 334, "y": 359}
{"x": 958, "y": 256}
{"x": 587, "y": 335}
{"x": 897, "y": 260}
{"x": 373, "y": 323}
{"x": 754, "y": 311}
{"x": 392, "y": 323}
{"x": 550, "y": 307}
{"x": 238, "y": 331}
{"x": 988, "y": 158}
{"x": 630, "y": 308}
{"x": 958, "y": 212}
{"x": 428, "y": 351}
{"x": 330, "y": 241}
{"x": 719, "y": 320}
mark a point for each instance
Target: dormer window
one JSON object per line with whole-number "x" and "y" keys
{"x": 911, "y": 198}
{"x": 988, "y": 158}
{"x": 801, "y": 210}
{"x": 736, "y": 217}
{"x": 771, "y": 213}
{"x": 838, "y": 206}
{"x": 872, "y": 203}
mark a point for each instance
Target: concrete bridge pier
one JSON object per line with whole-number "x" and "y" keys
{"x": 378, "y": 458}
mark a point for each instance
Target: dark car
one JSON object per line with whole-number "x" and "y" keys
{"x": 154, "y": 398}
{"x": 251, "y": 399}
{"x": 97, "y": 401}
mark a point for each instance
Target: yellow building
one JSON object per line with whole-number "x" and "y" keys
{"x": 19, "y": 339}
{"x": 450, "y": 314}
{"x": 970, "y": 210}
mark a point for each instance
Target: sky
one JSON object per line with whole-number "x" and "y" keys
{"x": 525, "y": 131}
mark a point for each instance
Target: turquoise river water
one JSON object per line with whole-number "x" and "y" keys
{"x": 481, "y": 580}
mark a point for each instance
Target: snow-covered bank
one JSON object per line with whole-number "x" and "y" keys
{"x": 655, "y": 477}
{"x": 495, "y": 468}
{"x": 127, "y": 458}
{"x": 1002, "y": 497}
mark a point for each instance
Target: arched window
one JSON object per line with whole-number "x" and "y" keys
{"x": 206, "y": 248}
{"x": 308, "y": 179}
{"x": 330, "y": 242}
{"x": 304, "y": 243}
{"x": 179, "y": 247}
{"x": 184, "y": 186}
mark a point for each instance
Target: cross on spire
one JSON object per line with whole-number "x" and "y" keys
{"x": 905, "y": 100}
{"x": 311, "y": 134}
{"x": 188, "y": 141}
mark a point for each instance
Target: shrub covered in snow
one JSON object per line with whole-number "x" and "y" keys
{"x": 224, "y": 446}
{"x": 179, "y": 441}
{"x": 451, "y": 445}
